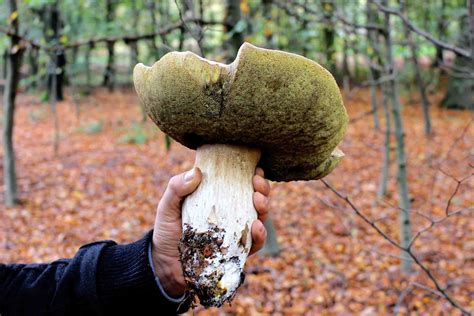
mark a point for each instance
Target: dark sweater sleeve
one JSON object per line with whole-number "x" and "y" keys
{"x": 102, "y": 278}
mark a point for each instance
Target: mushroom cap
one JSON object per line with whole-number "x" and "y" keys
{"x": 287, "y": 105}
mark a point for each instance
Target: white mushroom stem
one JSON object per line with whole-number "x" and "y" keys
{"x": 217, "y": 221}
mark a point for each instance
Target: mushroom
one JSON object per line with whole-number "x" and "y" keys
{"x": 268, "y": 107}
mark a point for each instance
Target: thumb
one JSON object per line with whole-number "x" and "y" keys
{"x": 179, "y": 187}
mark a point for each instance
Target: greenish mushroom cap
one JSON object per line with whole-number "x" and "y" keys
{"x": 287, "y": 105}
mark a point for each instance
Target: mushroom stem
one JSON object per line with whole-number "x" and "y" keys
{"x": 217, "y": 221}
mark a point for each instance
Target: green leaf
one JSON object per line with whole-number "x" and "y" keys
{"x": 91, "y": 128}
{"x": 136, "y": 135}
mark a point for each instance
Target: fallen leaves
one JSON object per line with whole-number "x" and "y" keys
{"x": 99, "y": 187}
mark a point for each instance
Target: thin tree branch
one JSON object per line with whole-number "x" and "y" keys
{"x": 22, "y": 38}
{"x": 288, "y": 6}
{"x": 198, "y": 38}
{"x": 361, "y": 116}
{"x": 362, "y": 216}
{"x": 126, "y": 38}
{"x": 457, "y": 50}
{"x": 458, "y": 139}
{"x": 426, "y": 288}
{"x": 407, "y": 250}
{"x": 401, "y": 298}
{"x": 368, "y": 27}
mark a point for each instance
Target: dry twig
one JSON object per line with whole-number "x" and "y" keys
{"x": 408, "y": 250}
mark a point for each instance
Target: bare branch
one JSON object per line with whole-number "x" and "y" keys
{"x": 198, "y": 38}
{"x": 287, "y": 5}
{"x": 369, "y": 27}
{"x": 288, "y": 10}
{"x": 126, "y": 38}
{"x": 362, "y": 216}
{"x": 426, "y": 288}
{"x": 361, "y": 116}
{"x": 457, "y": 50}
{"x": 401, "y": 298}
{"x": 381, "y": 80}
{"x": 23, "y": 39}
{"x": 162, "y": 31}
{"x": 407, "y": 250}
{"x": 458, "y": 139}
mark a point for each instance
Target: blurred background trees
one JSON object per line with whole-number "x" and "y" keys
{"x": 108, "y": 37}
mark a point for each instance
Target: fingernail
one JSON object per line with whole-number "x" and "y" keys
{"x": 190, "y": 175}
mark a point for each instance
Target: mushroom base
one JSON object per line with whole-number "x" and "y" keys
{"x": 217, "y": 221}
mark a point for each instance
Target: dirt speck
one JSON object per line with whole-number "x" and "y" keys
{"x": 197, "y": 250}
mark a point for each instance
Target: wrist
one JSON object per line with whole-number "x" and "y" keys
{"x": 170, "y": 278}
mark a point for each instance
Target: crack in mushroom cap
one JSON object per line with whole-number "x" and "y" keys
{"x": 287, "y": 105}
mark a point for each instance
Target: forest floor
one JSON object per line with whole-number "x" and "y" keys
{"x": 109, "y": 173}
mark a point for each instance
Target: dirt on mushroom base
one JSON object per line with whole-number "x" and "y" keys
{"x": 331, "y": 263}
{"x": 197, "y": 252}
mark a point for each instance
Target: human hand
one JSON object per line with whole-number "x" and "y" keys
{"x": 167, "y": 232}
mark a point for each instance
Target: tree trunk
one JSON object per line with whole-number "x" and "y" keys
{"x": 13, "y": 63}
{"x": 358, "y": 76}
{"x": 133, "y": 54}
{"x": 385, "y": 174}
{"x": 471, "y": 33}
{"x": 418, "y": 77}
{"x": 33, "y": 57}
{"x": 196, "y": 32}
{"x": 346, "y": 74}
{"x": 185, "y": 8}
{"x": 460, "y": 86}
{"x": 404, "y": 199}
{"x": 109, "y": 74}
{"x": 5, "y": 62}
{"x": 267, "y": 14}
{"x": 373, "y": 97}
{"x": 151, "y": 6}
{"x": 52, "y": 101}
{"x": 419, "y": 80}
{"x": 134, "y": 61}
{"x": 134, "y": 44}
{"x": 164, "y": 14}
{"x": 375, "y": 55}
{"x": 74, "y": 67}
{"x": 52, "y": 34}
{"x": 329, "y": 35}
{"x": 87, "y": 62}
{"x": 441, "y": 30}
{"x": 232, "y": 17}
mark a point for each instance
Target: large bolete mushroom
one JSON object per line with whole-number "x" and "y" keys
{"x": 272, "y": 108}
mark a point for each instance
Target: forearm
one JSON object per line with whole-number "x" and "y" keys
{"x": 102, "y": 278}
{"x": 56, "y": 288}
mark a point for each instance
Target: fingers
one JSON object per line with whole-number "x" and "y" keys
{"x": 259, "y": 171}
{"x": 260, "y": 196}
{"x": 179, "y": 187}
{"x": 260, "y": 202}
{"x": 260, "y": 184}
{"x": 259, "y": 235}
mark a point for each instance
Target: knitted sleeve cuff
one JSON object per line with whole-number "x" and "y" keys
{"x": 157, "y": 279}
